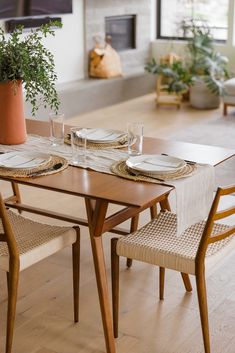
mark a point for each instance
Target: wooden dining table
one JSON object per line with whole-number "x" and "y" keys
{"x": 100, "y": 190}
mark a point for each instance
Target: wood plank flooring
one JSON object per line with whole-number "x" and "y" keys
{"x": 158, "y": 122}
{"x": 44, "y": 322}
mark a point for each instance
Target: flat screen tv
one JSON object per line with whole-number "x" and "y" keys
{"x": 24, "y": 8}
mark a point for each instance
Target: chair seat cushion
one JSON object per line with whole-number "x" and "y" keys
{"x": 35, "y": 240}
{"x": 229, "y": 99}
{"x": 229, "y": 86}
{"x": 157, "y": 243}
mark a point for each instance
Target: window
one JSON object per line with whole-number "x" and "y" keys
{"x": 174, "y": 17}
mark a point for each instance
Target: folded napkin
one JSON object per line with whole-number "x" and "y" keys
{"x": 103, "y": 135}
{"x": 163, "y": 163}
{"x": 156, "y": 163}
{"x": 194, "y": 196}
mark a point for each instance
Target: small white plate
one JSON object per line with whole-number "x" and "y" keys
{"x": 104, "y": 135}
{"x": 23, "y": 159}
{"x": 155, "y": 163}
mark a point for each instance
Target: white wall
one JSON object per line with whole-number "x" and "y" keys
{"x": 68, "y": 45}
{"x": 153, "y": 20}
{"x": 162, "y": 47}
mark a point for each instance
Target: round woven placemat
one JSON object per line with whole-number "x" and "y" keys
{"x": 120, "y": 168}
{"x": 117, "y": 144}
{"x": 54, "y": 165}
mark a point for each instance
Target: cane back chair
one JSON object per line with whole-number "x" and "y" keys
{"x": 24, "y": 242}
{"x": 201, "y": 246}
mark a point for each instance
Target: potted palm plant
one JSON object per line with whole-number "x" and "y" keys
{"x": 203, "y": 71}
{"x": 208, "y": 68}
{"x": 24, "y": 62}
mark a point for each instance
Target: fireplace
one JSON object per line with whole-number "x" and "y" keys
{"x": 121, "y": 31}
{"x": 128, "y": 22}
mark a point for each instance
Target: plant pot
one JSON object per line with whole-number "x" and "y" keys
{"x": 12, "y": 120}
{"x": 202, "y": 98}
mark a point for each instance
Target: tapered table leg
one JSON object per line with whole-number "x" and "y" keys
{"x": 153, "y": 211}
{"x": 16, "y": 193}
{"x": 96, "y": 212}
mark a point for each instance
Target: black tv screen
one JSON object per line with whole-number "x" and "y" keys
{"x": 22, "y": 8}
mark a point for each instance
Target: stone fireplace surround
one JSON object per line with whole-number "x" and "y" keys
{"x": 95, "y": 13}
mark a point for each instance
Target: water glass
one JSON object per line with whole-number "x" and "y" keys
{"x": 56, "y": 128}
{"x": 135, "y": 133}
{"x": 78, "y": 143}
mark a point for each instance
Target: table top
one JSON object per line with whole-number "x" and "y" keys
{"x": 92, "y": 184}
{"x": 207, "y": 154}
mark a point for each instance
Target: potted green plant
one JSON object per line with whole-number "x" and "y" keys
{"x": 208, "y": 68}
{"x": 202, "y": 71}
{"x": 24, "y": 62}
{"x": 178, "y": 77}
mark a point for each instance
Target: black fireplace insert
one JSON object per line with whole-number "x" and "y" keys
{"x": 121, "y": 31}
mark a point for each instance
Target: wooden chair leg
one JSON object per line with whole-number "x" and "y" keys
{"x": 187, "y": 282}
{"x": 164, "y": 204}
{"x": 8, "y": 281}
{"x": 225, "y": 109}
{"x": 202, "y": 301}
{"x": 161, "y": 282}
{"x": 133, "y": 228}
{"x": 129, "y": 263}
{"x": 115, "y": 285}
{"x": 76, "y": 274}
{"x": 13, "y": 279}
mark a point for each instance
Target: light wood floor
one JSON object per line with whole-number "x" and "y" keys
{"x": 157, "y": 122}
{"x": 44, "y": 313}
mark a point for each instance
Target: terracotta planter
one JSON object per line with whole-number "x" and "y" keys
{"x": 12, "y": 120}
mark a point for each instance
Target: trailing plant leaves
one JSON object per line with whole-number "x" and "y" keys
{"x": 26, "y": 58}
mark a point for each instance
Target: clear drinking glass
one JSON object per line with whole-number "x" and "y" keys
{"x": 56, "y": 128}
{"x": 78, "y": 143}
{"x": 135, "y": 133}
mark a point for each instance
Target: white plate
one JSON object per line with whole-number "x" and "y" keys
{"x": 23, "y": 160}
{"x": 104, "y": 135}
{"x": 155, "y": 163}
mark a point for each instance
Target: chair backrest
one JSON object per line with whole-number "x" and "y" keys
{"x": 8, "y": 234}
{"x": 214, "y": 215}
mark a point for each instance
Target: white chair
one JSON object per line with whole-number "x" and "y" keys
{"x": 24, "y": 243}
{"x": 201, "y": 246}
{"x": 229, "y": 97}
